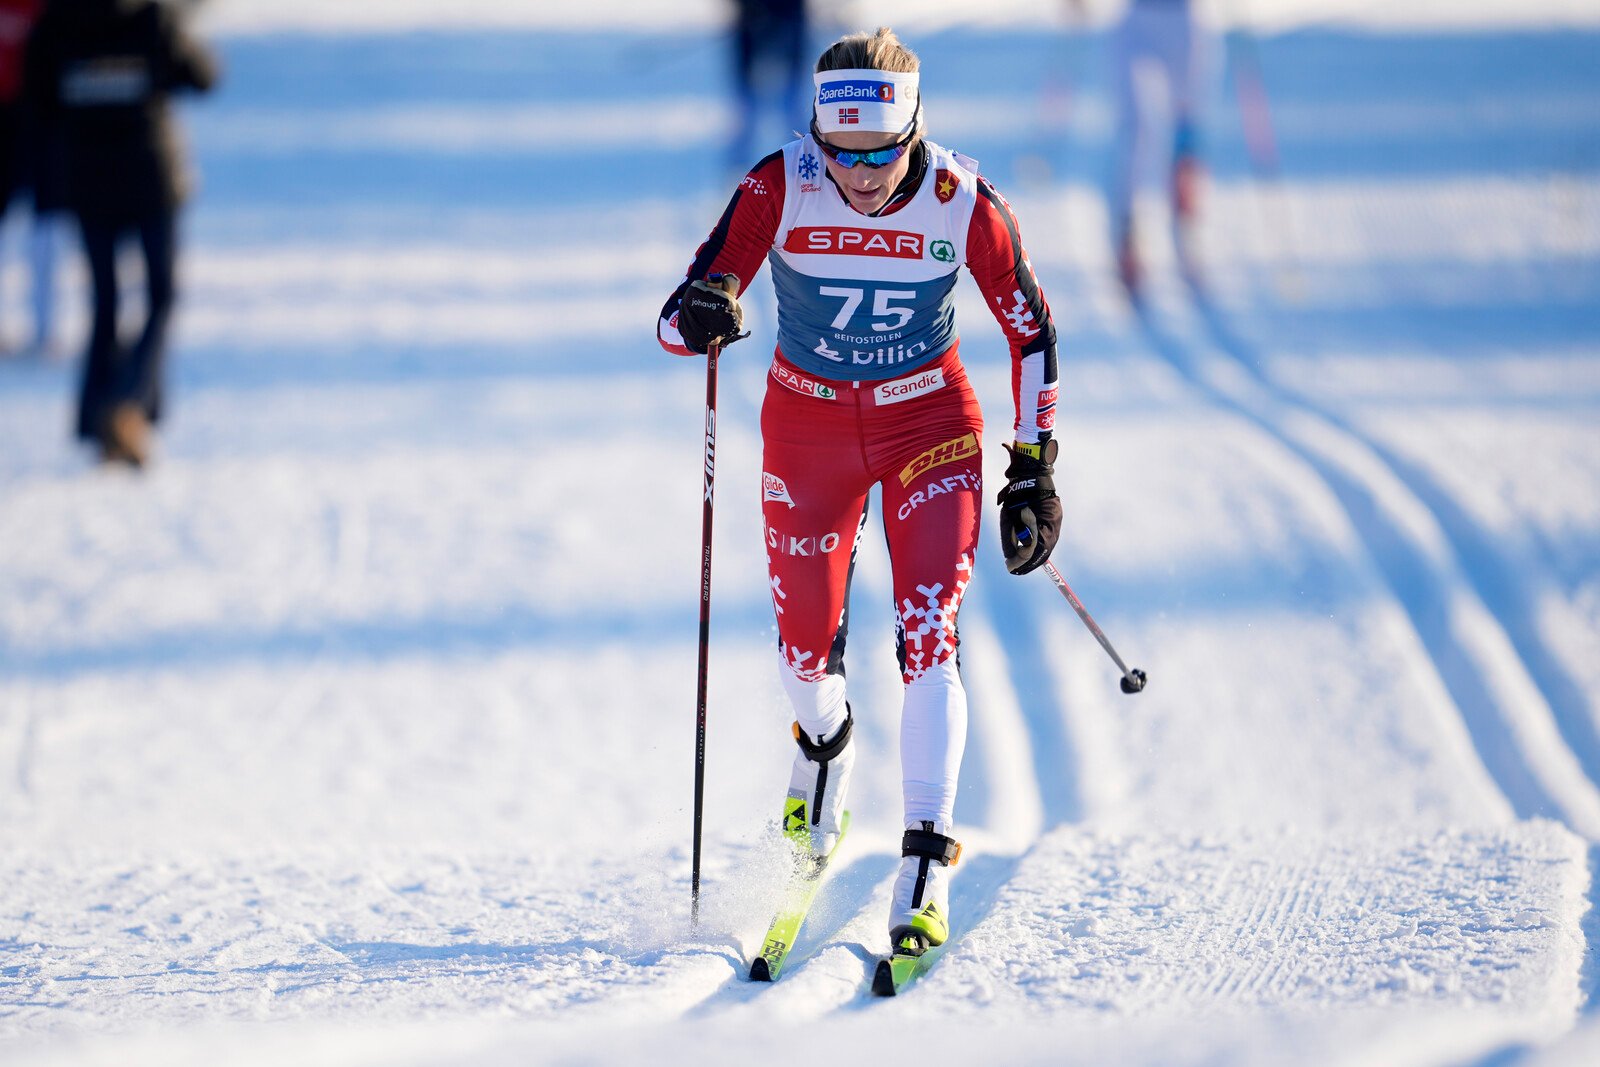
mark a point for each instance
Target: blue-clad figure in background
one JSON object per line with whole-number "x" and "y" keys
{"x": 1162, "y": 36}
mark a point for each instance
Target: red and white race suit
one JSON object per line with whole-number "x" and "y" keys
{"x": 867, "y": 388}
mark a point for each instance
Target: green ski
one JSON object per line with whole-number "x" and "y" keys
{"x": 802, "y": 891}
{"x": 910, "y": 958}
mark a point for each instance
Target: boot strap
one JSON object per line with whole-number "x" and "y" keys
{"x": 823, "y": 753}
{"x": 946, "y": 850}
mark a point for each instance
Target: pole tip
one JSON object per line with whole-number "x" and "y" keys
{"x": 1133, "y": 681}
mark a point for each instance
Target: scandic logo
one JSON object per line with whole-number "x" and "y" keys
{"x": 906, "y": 388}
{"x": 840, "y": 92}
{"x": 850, "y": 241}
{"x": 949, "y": 452}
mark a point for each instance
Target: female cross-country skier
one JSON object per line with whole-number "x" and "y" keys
{"x": 865, "y": 223}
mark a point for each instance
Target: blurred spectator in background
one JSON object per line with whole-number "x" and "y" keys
{"x": 105, "y": 69}
{"x": 22, "y": 154}
{"x": 772, "y": 68}
{"x": 44, "y": 161}
{"x": 1161, "y": 36}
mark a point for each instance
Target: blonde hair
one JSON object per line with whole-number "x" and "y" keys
{"x": 869, "y": 51}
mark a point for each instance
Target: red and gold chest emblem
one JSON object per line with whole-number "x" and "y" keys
{"x": 945, "y": 185}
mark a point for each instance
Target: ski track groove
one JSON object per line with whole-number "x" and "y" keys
{"x": 1054, "y": 758}
{"x": 1504, "y": 596}
{"x": 1294, "y": 905}
{"x": 1244, "y": 977}
{"x": 1280, "y": 894}
{"x": 1485, "y": 570}
{"x": 1524, "y": 778}
{"x": 1199, "y": 980}
{"x": 1045, "y": 751}
{"x": 1589, "y": 976}
{"x": 1280, "y": 908}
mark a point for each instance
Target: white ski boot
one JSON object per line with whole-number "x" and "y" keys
{"x": 817, "y": 785}
{"x": 919, "y": 913}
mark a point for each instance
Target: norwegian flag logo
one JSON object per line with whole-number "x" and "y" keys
{"x": 1046, "y": 410}
{"x": 849, "y": 116}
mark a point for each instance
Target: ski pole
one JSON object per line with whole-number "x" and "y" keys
{"x": 1132, "y": 680}
{"x": 712, "y": 352}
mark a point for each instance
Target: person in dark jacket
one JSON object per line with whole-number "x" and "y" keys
{"x": 770, "y": 65}
{"x": 106, "y": 69}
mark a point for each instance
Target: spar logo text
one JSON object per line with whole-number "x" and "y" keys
{"x": 803, "y": 385}
{"x": 853, "y": 241}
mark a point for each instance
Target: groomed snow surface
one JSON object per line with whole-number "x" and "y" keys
{"x": 359, "y": 730}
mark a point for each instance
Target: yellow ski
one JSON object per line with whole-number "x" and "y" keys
{"x": 910, "y": 958}
{"x": 802, "y": 891}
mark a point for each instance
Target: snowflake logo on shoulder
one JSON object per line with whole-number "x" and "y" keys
{"x": 808, "y": 166}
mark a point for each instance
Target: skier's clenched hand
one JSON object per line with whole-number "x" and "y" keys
{"x": 709, "y": 313}
{"x": 1030, "y": 512}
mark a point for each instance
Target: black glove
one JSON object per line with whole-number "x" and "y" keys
{"x": 709, "y": 313}
{"x": 1030, "y": 513}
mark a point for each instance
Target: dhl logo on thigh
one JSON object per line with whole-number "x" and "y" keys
{"x": 949, "y": 452}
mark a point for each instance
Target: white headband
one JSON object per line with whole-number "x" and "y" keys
{"x": 879, "y": 101}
